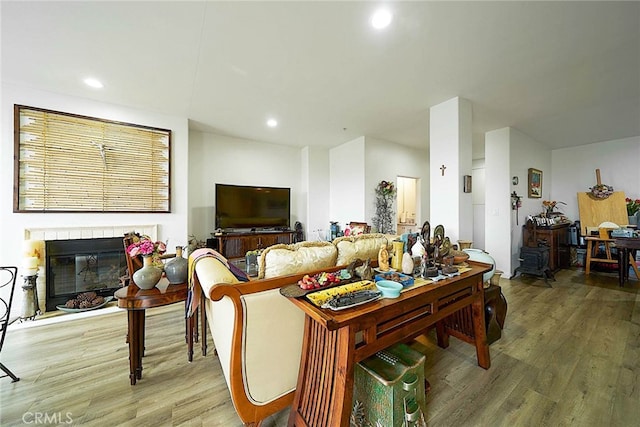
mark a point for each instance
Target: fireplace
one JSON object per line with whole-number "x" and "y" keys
{"x": 81, "y": 265}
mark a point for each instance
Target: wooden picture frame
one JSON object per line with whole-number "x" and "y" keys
{"x": 535, "y": 184}
{"x": 66, "y": 162}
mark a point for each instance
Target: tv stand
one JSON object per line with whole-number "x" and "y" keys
{"x": 237, "y": 244}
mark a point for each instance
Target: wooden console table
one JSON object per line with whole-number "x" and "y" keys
{"x": 236, "y": 245}
{"x": 324, "y": 392}
{"x": 556, "y": 237}
{"x": 136, "y": 301}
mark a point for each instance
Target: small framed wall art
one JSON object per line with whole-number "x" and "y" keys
{"x": 535, "y": 183}
{"x": 466, "y": 187}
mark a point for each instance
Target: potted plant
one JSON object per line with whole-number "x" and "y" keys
{"x": 383, "y": 220}
{"x": 633, "y": 207}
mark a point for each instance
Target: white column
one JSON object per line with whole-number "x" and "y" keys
{"x": 450, "y": 159}
{"x": 498, "y": 213}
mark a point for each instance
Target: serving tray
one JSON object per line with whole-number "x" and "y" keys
{"x": 320, "y": 297}
{"x": 295, "y": 291}
{"x": 352, "y": 299}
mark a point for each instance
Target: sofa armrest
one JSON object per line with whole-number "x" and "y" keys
{"x": 258, "y": 335}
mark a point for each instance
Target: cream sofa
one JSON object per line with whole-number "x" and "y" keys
{"x": 256, "y": 331}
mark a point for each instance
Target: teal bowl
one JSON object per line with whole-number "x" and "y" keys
{"x": 389, "y": 288}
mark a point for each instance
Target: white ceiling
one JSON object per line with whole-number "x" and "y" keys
{"x": 565, "y": 73}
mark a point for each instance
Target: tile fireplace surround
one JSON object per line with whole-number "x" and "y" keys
{"x": 68, "y": 233}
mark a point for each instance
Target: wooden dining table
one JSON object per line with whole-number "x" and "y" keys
{"x": 334, "y": 341}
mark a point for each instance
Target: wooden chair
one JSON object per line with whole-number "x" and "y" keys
{"x": 8, "y": 277}
{"x": 366, "y": 228}
{"x": 593, "y": 246}
{"x": 133, "y": 263}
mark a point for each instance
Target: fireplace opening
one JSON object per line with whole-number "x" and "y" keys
{"x": 82, "y": 265}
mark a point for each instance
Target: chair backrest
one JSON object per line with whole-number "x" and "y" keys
{"x": 133, "y": 263}
{"x": 8, "y": 277}
{"x": 359, "y": 227}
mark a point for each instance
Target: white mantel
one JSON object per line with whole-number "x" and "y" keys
{"x": 67, "y": 233}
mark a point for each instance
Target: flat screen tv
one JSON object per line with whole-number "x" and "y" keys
{"x": 242, "y": 207}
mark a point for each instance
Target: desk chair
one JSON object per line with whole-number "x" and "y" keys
{"x": 8, "y": 277}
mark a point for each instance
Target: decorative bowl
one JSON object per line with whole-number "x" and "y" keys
{"x": 459, "y": 257}
{"x": 482, "y": 256}
{"x": 389, "y": 288}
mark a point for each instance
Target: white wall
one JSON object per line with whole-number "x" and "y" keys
{"x": 450, "y": 146}
{"x": 227, "y": 160}
{"x": 478, "y": 194}
{"x": 573, "y": 170}
{"x": 172, "y": 226}
{"x": 527, "y": 153}
{"x": 511, "y": 153}
{"x": 347, "y": 183}
{"x": 315, "y": 163}
{"x": 498, "y": 212}
{"x": 386, "y": 160}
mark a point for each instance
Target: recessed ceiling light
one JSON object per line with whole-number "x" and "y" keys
{"x": 95, "y": 83}
{"x": 272, "y": 123}
{"x": 381, "y": 19}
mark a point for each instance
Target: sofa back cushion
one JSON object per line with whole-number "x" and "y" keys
{"x": 364, "y": 246}
{"x": 282, "y": 260}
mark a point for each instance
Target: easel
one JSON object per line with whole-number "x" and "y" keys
{"x": 594, "y": 212}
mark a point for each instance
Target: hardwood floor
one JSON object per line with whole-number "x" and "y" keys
{"x": 569, "y": 356}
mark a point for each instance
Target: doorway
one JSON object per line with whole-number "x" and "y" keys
{"x": 407, "y": 202}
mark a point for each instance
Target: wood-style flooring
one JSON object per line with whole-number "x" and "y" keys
{"x": 569, "y": 356}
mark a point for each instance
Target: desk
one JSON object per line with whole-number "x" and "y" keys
{"x": 136, "y": 301}
{"x": 627, "y": 247}
{"x": 324, "y": 391}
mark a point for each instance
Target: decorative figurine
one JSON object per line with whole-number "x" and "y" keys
{"x": 383, "y": 258}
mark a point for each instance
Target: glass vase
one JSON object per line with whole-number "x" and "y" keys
{"x": 148, "y": 276}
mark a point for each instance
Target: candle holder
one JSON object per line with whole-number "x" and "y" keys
{"x": 30, "y": 307}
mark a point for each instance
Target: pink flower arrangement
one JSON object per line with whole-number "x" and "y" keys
{"x": 385, "y": 188}
{"x": 145, "y": 246}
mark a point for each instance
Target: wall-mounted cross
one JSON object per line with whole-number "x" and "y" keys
{"x": 442, "y": 168}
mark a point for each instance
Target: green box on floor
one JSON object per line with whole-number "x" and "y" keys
{"x": 389, "y": 388}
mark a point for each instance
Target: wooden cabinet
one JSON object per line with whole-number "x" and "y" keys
{"x": 236, "y": 245}
{"x": 556, "y": 237}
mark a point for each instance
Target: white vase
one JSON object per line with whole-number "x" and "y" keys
{"x": 407, "y": 263}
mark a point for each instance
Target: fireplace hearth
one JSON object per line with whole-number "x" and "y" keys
{"x": 79, "y": 265}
